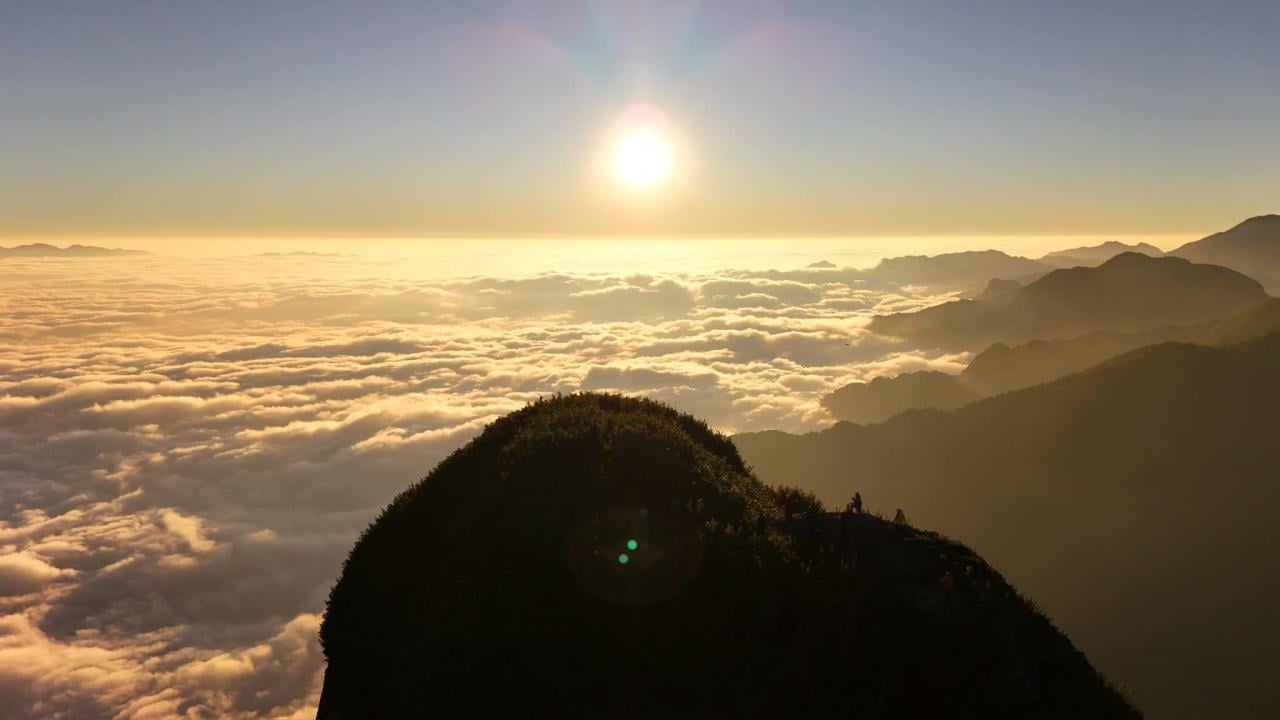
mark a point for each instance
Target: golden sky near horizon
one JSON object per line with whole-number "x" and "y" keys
{"x": 609, "y": 119}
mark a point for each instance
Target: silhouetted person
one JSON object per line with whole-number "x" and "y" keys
{"x": 857, "y": 502}
{"x": 900, "y": 517}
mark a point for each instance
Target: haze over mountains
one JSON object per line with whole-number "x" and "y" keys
{"x": 47, "y": 250}
{"x": 1007, "y": 365}
{"x": 1137, "y": 500}
{"x": 1097, "y": 254}
{"x": 1128, "y": 293}
{"x": 952, "y": 269}
{"x": 968, "y": 271}
{"x": 1095, "y": 479}
{"x": 1130, "y": 484}
{"x": 1000, "y": 368}
{"x": 1252, "y": 247}
{"x": 974, "y": 269}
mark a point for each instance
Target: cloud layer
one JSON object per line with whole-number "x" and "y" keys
{"x": 188, "y": 449}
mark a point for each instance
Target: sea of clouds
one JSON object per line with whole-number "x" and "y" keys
{"x": 188, "y": 448}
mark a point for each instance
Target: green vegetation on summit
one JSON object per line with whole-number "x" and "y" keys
{"x": 602, "y": 556}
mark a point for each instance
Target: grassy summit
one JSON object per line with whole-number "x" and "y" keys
{"x": 601, "y": 556}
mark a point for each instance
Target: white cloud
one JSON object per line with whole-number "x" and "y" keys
{"x": 188, "y": 450}
{"x": 189, "y": 529}
{"x": 22, "y": 573}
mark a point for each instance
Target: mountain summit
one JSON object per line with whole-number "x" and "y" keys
{"x": 601, "y": 556}
{"x": 1252, "y": 247}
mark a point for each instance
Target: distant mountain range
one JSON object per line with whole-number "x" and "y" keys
{"x": 47, "y": 250}
{"x": 1097, "y": 254}
{"x": 968, "y": 271}
{"x": 1252, "y": 247}
{"x": 974, "y": 269}
{"x": 1001, "y": 368}
{"x": 1138, "y": 500}
{"x": 1130, "y": 292}
{"x": 1079, "y": 312}
{"x": 949, "y": 269}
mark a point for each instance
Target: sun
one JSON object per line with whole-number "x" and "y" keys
{"x": 642, "y": 159}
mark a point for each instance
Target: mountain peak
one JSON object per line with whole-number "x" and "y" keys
{"x": 1258, "y": 222}
{"x": 1131, "y": 292}
{"x": 603, "y": 556}
{"x": 1096, "y": 254}
{"x": 1131, "y": 258}
{"x": 1252, "y": 247}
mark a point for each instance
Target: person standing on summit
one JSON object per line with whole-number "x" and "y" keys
{"x": 857, "y": 502}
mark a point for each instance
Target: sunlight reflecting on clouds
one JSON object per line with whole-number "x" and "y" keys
{"x": 191, "y": 447}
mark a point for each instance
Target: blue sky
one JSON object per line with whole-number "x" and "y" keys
{"x": 350, "y": 118}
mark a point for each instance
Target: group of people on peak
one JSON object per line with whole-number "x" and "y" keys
{"x": 856, "y": 507}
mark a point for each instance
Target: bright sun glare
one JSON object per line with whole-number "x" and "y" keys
{"x": 642, "y": 159}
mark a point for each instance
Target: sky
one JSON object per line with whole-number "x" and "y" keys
{"x": 421, "y": 119}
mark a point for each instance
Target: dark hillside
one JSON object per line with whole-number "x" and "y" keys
{"x": 599, "y": 556}
{"x": 1138, "y": 501}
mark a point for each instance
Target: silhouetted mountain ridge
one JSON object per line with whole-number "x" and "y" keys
{"x": 1097, "y": 254}
{"x": 958, "y": 268}
{"x": 601, "y": 556}
{"x": 1137, "y": 500}
{"x": 1001, "y": 367}
{"x": 47, "y": 250}
{"x": 997, "y": 286}
{"x": 1252, "y": 247}
{"x": 1130, "y": 292}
